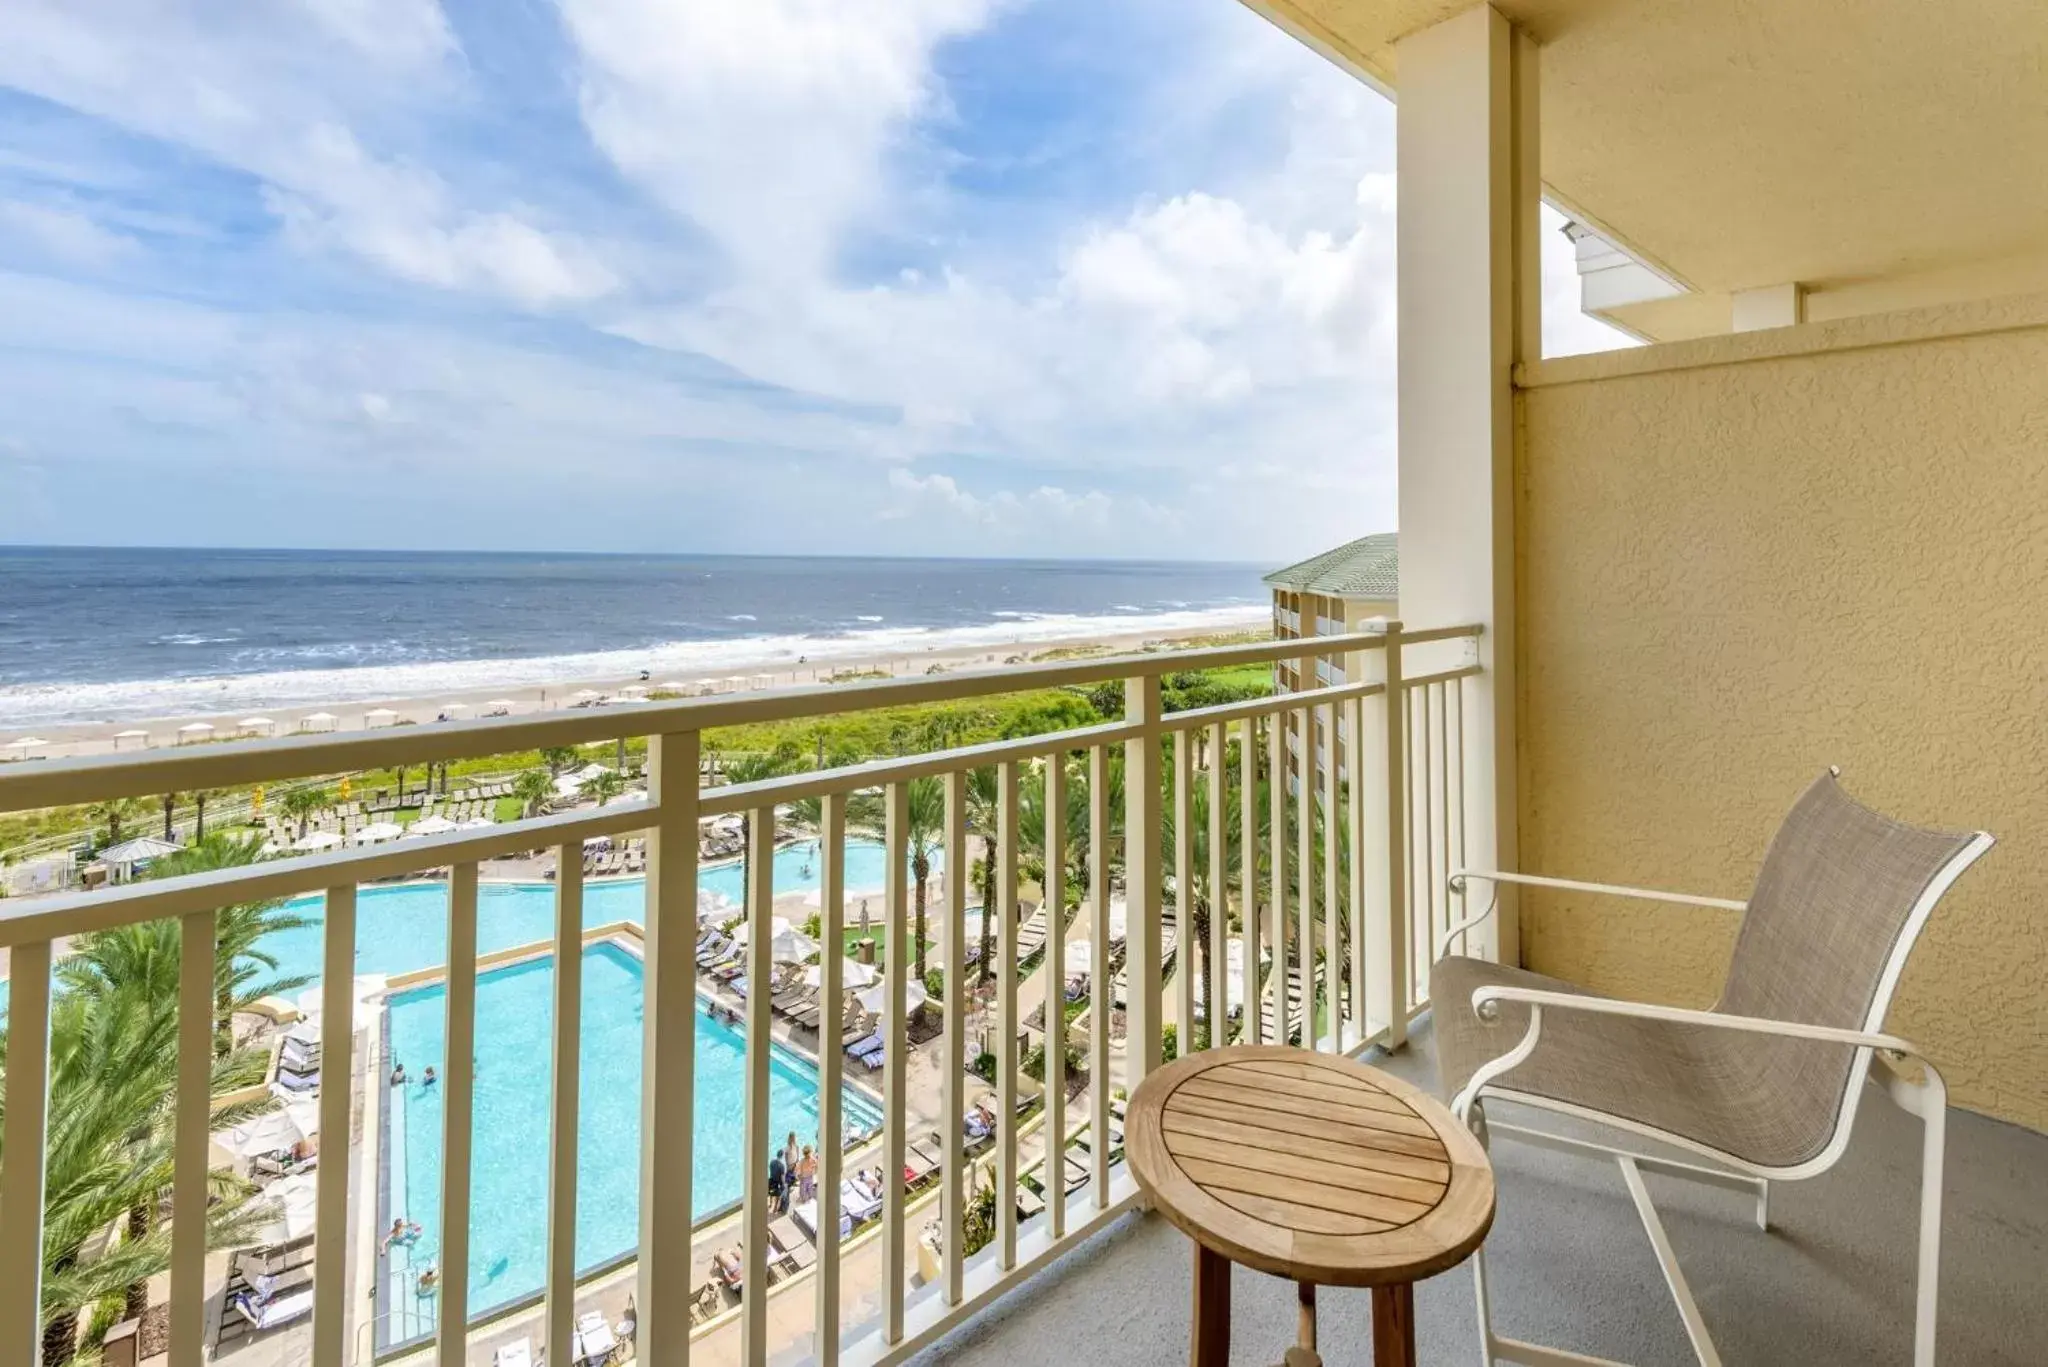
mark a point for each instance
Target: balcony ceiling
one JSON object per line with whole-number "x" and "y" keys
{"x": 1758, "y": 142}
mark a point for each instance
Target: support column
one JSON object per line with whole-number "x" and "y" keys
{"x": 1470, "y": 309}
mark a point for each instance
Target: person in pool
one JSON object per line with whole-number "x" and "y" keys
{"x": 398, "y": 1074}
{"x": 402, "y": 1232}
{"x": 429, "y": 1279}
{"x": 428, "y": 1079}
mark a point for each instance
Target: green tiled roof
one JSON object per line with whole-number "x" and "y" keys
{"x": 1369, "y": 567}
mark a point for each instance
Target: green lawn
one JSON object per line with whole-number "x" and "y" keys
{"x": 508, "y": 809}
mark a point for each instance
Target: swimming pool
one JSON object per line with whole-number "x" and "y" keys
{"x": 509, "y": 1163}
{"x": 403, "y": 927}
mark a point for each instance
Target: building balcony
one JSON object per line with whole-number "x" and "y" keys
{"x": 718, "y": 1051}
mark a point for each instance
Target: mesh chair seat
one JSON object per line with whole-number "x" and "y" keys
{"x": 1713, "y": 1087}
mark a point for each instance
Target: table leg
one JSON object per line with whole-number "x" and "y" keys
{"x": 1306, "y": 1334}
{"x": 1209, "y": 1344}
{"x": 1393, "y": 1325}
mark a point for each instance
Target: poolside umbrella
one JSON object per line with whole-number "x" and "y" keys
{"x": 876, "y": 999}
{"x": 283, "y": 1128}
{"x": 364, "y": 987}
{"x": 379, "y": 830}
{"x": 1080, "y": 957}
{"x": 296, "y": 1203}
{"x": 853, "y": 974}
{"x": 318, "y": 840}
{"x": 433, "y": 825}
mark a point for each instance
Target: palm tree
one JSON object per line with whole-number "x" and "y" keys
{"x": 112, "y": 814}
{"x": 924, "y": 829}
{"x": 557, "y": 758}
{"x": 603, "y": 786}
{"x": 200, "y": 797}
{"x": 982, "y": 816}
{"x": 533, "y": 789}
{"x": 240, "y": 961}
{"x": 170, "y": 801}
{"x": 301, "y": 803}
{"x": 785, "y": 758}
{"x": 113, "y": 1073}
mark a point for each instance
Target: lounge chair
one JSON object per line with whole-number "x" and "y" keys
{"x": 917, "y": 1168}
{"x": 518, "y": 1354}
{"x": 806, "y": 1217}
{"x": 298, "y": 1082}
{"x": 858, "y": 1202}
{"x": 865, "y": 1045}
{"x": 1765, "y": 1083}
{"x": 270, "y": 1314}
{"x": 796, "y": 1245}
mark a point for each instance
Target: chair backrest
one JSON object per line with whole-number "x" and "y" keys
{"x": 1839, "y": 902}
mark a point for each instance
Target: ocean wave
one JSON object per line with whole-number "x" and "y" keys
{"x": 55, "y": 703}
{"x": 743, "y": 617}
{"x": 863, "y": 617}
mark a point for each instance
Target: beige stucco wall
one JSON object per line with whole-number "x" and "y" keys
{"x": 1742, "y": 559}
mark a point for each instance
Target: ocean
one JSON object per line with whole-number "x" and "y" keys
{"x": 91, "y": 635}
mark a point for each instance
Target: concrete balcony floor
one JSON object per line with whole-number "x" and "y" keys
{"x": 1570, "y": 1266}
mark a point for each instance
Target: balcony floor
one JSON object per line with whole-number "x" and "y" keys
{"x": 1570, "y": 1266}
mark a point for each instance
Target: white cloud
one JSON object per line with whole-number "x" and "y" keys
{"x": 277, "y": 94}
{"x": 67, "y": 234}
{"x": 765, "y": 123}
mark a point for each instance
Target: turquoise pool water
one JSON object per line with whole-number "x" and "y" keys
{"x": 514, "y": 1021}
{"x": 404, "y": 927}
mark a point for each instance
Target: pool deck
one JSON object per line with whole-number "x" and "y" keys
{"x": 791, "y": 1303}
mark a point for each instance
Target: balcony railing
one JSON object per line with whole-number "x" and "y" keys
{"x": 1338, "y": 889}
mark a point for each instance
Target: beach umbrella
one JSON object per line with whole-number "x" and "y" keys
{"x": 777, "y": 925}
{"x": 296, "y": 1204}
{"x": 853, "y": 974}
{"x": 193, "y": 730}
{"x": 120, "y": 736}
{"x": 671, "y": 686}
{"x": 255, "y": 723}
{"x": 455, "y": 707}
{"x": 432, "y": 825}
{"x": 267, "y": 1133}
{"x": 318, "y": 840}
{"x": 379, "y": 716}
{"x": 318, "y": 721}
{"x": 27, "y": 743}
{"x": 379, "y": 830}
{"x": 875, "y": 999}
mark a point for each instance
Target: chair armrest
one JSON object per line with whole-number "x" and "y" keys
{"x": 1609, "y": 889}
{"x": 1496, "y": 877}
{"x": 1484, "y": 999}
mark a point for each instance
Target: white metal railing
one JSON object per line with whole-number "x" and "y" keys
{"x": 1363, "y": 861}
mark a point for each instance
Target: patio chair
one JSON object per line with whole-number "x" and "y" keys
{"x": 1766, "y": 1082}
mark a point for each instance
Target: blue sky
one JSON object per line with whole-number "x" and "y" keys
{"x": 906, "y": 276}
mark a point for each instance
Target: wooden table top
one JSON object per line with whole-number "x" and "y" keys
{"x": 1308, "y": 1166}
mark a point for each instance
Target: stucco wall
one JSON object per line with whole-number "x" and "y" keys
{"x": 1742, "y": 559}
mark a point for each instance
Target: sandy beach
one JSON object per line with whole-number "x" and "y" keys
{"x": 362, "y": 713}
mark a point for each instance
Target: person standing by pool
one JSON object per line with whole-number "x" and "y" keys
{"x": 790, "y": 1154}
{"x": 807, "y": 1175}
{"x": 778, "y": 1184}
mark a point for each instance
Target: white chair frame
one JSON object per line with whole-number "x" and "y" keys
{"x": 1924, "y": 1096}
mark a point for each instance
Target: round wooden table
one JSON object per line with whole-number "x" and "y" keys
{"x": 1313, "y": 1168}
